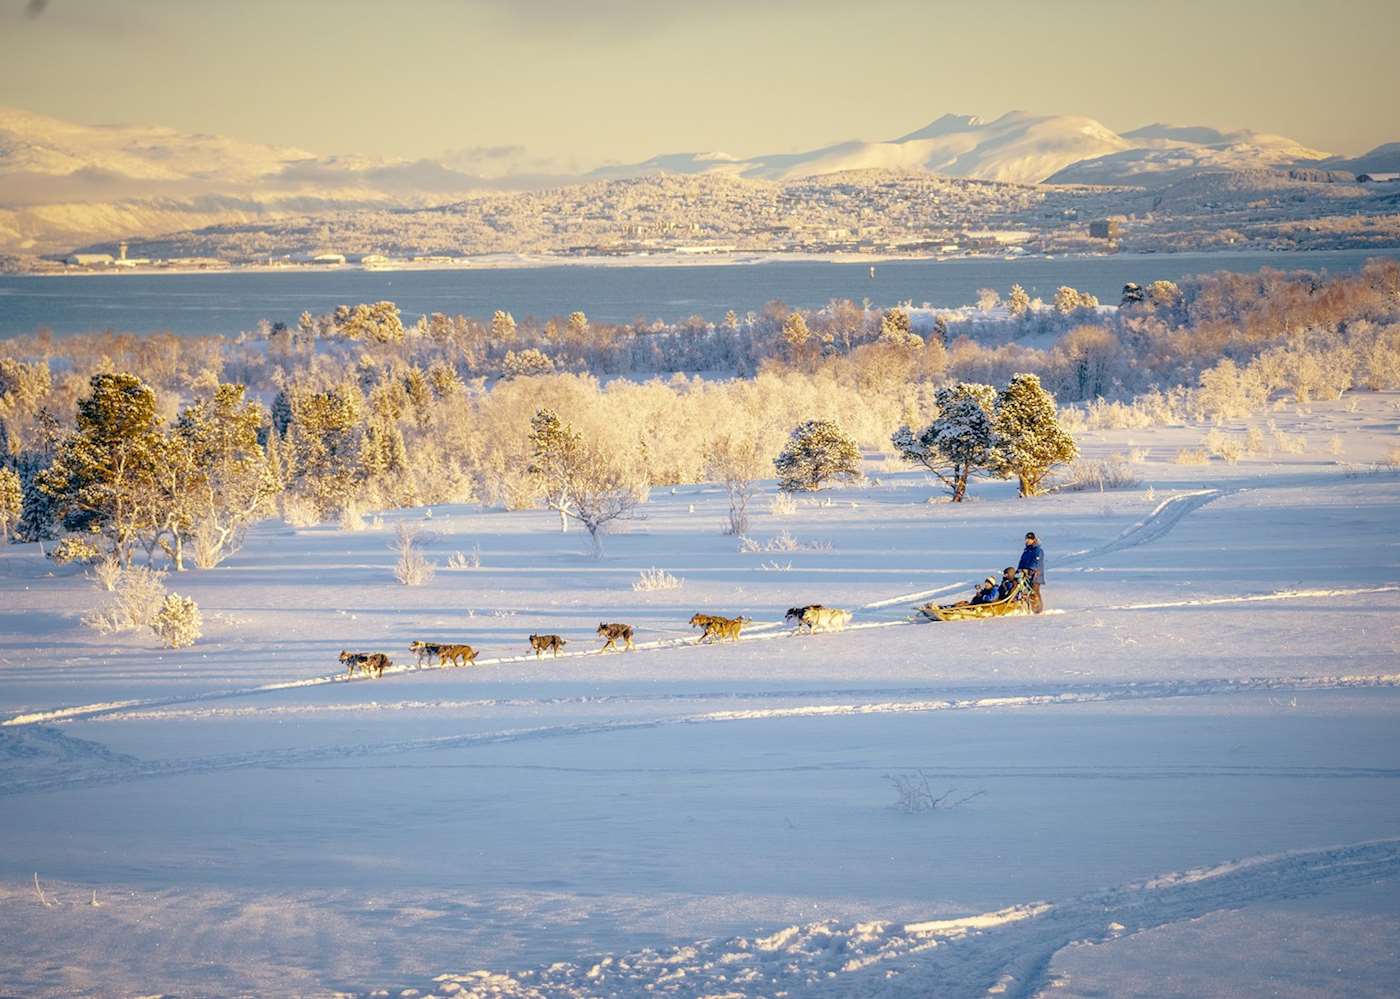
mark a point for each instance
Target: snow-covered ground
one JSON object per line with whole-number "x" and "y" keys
{"x": 1182, "y": 780}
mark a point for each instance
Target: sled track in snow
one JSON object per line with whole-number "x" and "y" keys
{"x": 1156, "y": 525}
{"x": 43, "y": 759}
{"x": 1007, "y": 952}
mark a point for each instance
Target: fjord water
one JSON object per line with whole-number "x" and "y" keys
{"x": 231, "y": 302}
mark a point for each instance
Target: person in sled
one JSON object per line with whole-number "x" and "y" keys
{"x": 1008, "y": 582}
{"x": 986, "y": 591}
{"x": 1033, "y": 564}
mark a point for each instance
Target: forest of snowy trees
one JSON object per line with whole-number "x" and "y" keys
{"x": 164, "y": 450}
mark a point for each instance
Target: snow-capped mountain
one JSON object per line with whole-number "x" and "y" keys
{"x": 1165, "y": 154}
{"x": 1018, "y": 147}
{"x": 64, "y": 184}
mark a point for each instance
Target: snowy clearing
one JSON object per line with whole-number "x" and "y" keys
{"x": 1202, "y": 729}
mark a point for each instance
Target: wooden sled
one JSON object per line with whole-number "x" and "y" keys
{"x": 1015, "y": 602}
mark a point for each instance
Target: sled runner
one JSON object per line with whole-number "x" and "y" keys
{"x": 1015, "y": 602}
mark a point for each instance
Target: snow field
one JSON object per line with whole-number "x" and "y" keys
{"x": 1217, "y": 682}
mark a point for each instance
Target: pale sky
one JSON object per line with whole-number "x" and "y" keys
{"x": 577, "y": 84}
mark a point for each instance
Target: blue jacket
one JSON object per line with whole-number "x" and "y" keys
{"x": 1004, "y": 590}
{"x": 986, "y": 596}
{"x": 1033, "y": 558}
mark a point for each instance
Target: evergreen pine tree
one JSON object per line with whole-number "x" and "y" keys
{"x": 816, "y": 452}
{"x": 1030, "y": 440}
{"x": 102, "y": 476}
{"x": 959, "y": 442}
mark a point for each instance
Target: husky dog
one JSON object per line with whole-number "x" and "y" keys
{"x": 458, "y": 655}
{"x": 369, "y": 662}
{"x": 352, "y": 661}
{"x": 424, "y": 650}
{"x": 377, "y": 662}
{"x": 729, "y": 627}
{"x": 546, "y": 643}
{"x": 797, "y": 616}
{"x": 825, "y": 618}
{"x": 718, "y": 627}
{"x": 612, "y": 632}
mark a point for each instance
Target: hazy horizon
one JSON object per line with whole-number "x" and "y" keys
{"x": 556, "y": 87}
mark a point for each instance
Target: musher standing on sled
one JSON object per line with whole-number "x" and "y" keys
{"x": 1033, "y": 562}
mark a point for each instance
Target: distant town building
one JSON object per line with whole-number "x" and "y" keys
{"x": 329, "y": 259}
{"x": 89, "y": 259}
{"x": 1378, "y": 178}
{"x": 1104, "y": 229}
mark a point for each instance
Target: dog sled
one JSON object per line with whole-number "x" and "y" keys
{"x": 1018, "y": 601}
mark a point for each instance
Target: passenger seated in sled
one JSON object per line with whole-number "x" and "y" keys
{"x": 1008, "y": 582}
{"x": 986, "y": 591}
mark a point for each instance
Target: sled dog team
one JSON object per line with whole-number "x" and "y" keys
{"x": 713, "y": 627}
{"x": 1023, "y": 582}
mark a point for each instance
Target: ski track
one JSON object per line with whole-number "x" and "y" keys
{"x": 1006, "y": 953}
{"x": 80, "y": 763}
{"x": 1165, "y": 516}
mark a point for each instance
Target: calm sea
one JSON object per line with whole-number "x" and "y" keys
{"x": 232, "y": 302}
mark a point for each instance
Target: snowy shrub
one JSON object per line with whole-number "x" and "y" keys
{"x": 298, "y": 511}
{"x": 413, "y": 568}
{"x": 350, "y": 518}
{"x": 136, "y": 602}
{"x": 816, "y": 452}
{"x": 656, "y": 579}
{"x": 782, "y": 505}
{"x": 914, "y": 794}
{"x": 1290, "y": 443}
{"x": 458, "y": 560}
{"x": 783, "y": 541}
{"x": 1192, "y": 456}
{"x": 178, "y": 623}
{"x": 1254, "y": 441}
{"x": 1337, "y": 448}
{"x": 1228, "y": 447}
{"x": 1098, "y": 476}
{"x": 1135, "y": 456}
{"x": 107, "y": 572}
{"x": 75, "y": 548}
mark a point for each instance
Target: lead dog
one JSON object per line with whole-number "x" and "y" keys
{"x": 795, "y": 615}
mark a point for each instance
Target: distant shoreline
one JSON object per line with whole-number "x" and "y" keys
{"x": 533, "y": 261}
